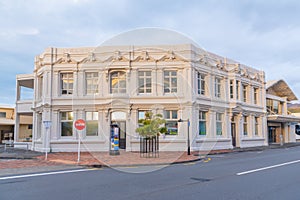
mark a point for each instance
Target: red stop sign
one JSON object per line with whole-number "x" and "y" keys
{"x": 79, "y": 124}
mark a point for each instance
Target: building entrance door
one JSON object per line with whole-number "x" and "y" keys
{"x": 119, "y": 118}
{"x": 233, "y": 134}
{"x": 272, "y": 134}
{"x": 122, "y": 133}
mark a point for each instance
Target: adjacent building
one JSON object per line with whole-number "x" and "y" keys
{"x": 7, "y": 126}
{"x": 7, "y": 123}
{"x": 281, "y": 122}
{"x": 225, "y": 101}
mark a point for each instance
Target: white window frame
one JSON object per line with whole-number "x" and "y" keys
{"x": 237, "y": 85}
{"x": 94, "y": 85}
{"x": 245, "y": 93}
{"x": 144, "y": 88}
{"x": 69, "y": 90}
{"x": 94, "y": 118}
{"x": 218, "y": 87}
{"x": 231, "y": 89}
{"x": 61, "y": 120}
{"x": 255, "y": 95}
{"x": 168, "y": 78}
{"x": 245, "y": 126}
{"x": 119, "y": 89}
{"x": 256, "y": 126}
{"x": 201, "y": 83}
{"x": 219, "y": 120}
{"x": 171, "y": 119}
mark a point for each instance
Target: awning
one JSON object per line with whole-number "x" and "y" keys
{"x": 283, "y": 118}
{"x": 280, "y": 88}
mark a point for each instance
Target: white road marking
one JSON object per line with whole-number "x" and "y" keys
{"x": 269, "y": 167}
{"x": 44, "y": 174}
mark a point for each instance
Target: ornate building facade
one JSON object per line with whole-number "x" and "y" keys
{"x": 223, "y": 100}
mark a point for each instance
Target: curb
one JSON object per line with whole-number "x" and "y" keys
{"x": 137, "y": 165}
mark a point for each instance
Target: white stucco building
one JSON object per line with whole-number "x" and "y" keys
{"x": 223, "y": 99}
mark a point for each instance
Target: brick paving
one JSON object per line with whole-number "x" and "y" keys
{"x": 10, "y": 164}
{"x": 124, "y": 159}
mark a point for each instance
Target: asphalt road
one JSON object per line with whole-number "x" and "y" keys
{"x": 269, "y": 174}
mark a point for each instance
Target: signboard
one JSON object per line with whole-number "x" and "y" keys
{"x": 79, "y": 124}
{"x": 114, "y": 140}
{"x": 47, "y": 124}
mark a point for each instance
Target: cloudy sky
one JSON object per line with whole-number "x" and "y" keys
{"x": 263, "y": 34}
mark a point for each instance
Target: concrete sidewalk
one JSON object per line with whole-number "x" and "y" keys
{"x": 18, "y": 158}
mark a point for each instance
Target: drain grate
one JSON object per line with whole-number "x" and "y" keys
{"x": 201, "y": 179}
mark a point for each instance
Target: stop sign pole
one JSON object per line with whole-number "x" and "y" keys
{"x": 79, "y": 125}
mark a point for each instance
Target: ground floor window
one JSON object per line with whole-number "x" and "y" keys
{"x": 171, "y": 118}
{"x": 245, "y": 125}
{"x": 91, "y": 123}
{"x": 66, "y": 120}
{"x": 202, "y": 123}
{"x": 142, "y": 116}
{"x": 219, "y": 124}
{"x": 256, "y": 125}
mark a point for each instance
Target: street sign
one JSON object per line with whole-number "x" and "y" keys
{"x": 79, "y": 124}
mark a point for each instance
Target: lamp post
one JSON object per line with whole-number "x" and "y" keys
{"x": 188, "y": 135}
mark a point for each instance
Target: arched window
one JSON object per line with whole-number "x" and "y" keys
{"x": 118, "y": 82}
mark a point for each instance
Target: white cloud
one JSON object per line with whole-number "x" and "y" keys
{"x": 262, "y": 34}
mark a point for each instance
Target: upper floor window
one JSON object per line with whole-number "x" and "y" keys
{"x": 217, "y": 87}
{"x": 201, "y": 83}
{"x": 237, "y": 83}
{"x": 273, "y": 107}
{"x": 40, "y": 87}
{"x": 245, "y": 125}
{"x": 255, "y": 95}
{"x": 170, "y": 81}
{"x": 118, "y": 82}
{"x": 231, "y": 89}
{"x": 66, "y": 122}
{"x": 202, "y": 122}
{"x": 91, "y": 123}
{"x": 67, "y": 83}
{"x": 2, "y": 114}
{"x": 92, "y": 81}
{"x": 171, "y": 122}
{"x": 144, "y": 81}
{"x": 219, "y": 124}
{"x": 245, "y": 94}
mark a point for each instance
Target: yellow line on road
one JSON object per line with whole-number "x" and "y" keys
{"x": 207, "y": 160}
